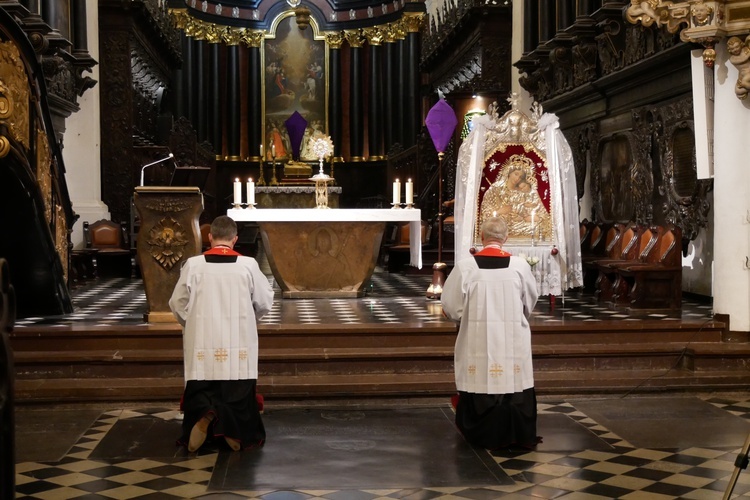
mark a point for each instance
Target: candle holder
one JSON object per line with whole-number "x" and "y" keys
{"x": 274, "y": 180}
{"x": 409, "y": 206}
{"x": 237, "y": 206}
{"x": 261, "y": 178}
{"x": 396, "y": 206}
{"x": 250, "y": 206}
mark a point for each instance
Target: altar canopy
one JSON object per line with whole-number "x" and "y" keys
{"x": 521, "y": 168}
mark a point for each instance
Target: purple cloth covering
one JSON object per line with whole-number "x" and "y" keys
{"x": 441, "y": 122}
{"x": 296, "y": 125}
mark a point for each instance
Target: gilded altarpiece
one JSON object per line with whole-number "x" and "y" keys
{"x": 295, "y": 79}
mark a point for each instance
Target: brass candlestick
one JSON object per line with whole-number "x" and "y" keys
{"x": 274, "y": 180}
{"x": 261, "y": 178}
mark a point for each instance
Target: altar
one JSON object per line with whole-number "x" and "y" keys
{"x": 548, "y": 270}
{"x": 315, "y": 253}
{"x": 293, "y": 196}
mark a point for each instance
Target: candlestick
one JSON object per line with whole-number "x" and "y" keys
{"x": 250, "y": 192}
{"x": 409, "y": 192}
{"x": 396, "y": 192}
{"x": 273, "y": 150}
{"x": 261, "y": 152}
{"x": 237, "y": 192}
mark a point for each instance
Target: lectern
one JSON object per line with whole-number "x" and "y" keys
{"x": 168, "y": 236}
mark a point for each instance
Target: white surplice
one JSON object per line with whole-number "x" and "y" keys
{"x": 493, "y": 348}
{"x": 218, "y": 305}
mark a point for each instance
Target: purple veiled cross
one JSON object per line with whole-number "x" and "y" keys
{"x": 296, "y": 125}
{"x": 441, "y": 123}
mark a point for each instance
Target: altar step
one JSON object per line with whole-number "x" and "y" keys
{"x": 312, "y": 362}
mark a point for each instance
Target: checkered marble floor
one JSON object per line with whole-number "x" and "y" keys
{"x": 624, "y": 471}
{"x": 390, "y": 298}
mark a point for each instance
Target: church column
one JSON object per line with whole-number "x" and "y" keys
{"x": 401, "y": 91}
{"x": 335, "y": 103}
{"x": 584, "y": 7}
{"x": 356, "y": 111}
{"x": 547, "y": 16}
{"x": 233, "y": 97}
{"x": 375, "y": 114}
{"x": 214, "y": 95}
{"x": 531, "y": 25}
{"x": 80, "y": 39}
{"x": 188, "y": 84}
{"x": 731, "y": 286}
{"x": 199, "y": 123}
{"x": 390, "y": 85}
{"x": 565, "y": 14}
{"x": 412, "y": 108}
{"x": 253, "y": 41}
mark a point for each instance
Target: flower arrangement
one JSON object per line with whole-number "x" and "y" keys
{"x": 321, "y": 145}
{"x": 532, "y": 261}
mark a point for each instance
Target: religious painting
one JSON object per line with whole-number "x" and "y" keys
{"x": 515, "y": 185}
{"x": 615, "y": 158}
{"x": 295, "y": 80}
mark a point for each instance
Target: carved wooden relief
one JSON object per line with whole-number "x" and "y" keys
{"x": 43, "y": 172}
{"x": 686, "y": 203}
{"x": 14, "y": 93}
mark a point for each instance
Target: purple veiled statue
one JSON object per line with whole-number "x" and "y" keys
{"x": 296, "y": 125}
{"x": 441, "y": 122}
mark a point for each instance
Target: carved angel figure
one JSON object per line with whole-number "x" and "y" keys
{"x": 739, "y": 56}
{"x": 643, "y": 11}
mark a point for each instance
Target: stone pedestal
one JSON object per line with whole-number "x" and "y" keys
{"x": 168, "y": 236}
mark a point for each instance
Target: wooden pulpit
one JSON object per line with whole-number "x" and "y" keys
{"x": 168, "y": 236}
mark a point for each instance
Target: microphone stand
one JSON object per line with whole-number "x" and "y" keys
{"x": 154, "y": 163}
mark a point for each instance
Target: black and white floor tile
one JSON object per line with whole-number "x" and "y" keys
{"x": 390, "y": 299}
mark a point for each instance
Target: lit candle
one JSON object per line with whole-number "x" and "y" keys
{"x": 237, "y": 192}
{"x": 396, "y": 192}
{"x": 273, "y": 150}
{"x": 409, "y": 192}
{"x": 261, "y": 152}
{"x": 250, "y": 191}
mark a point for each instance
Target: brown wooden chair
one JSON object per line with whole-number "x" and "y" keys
{"x": 205, "y": 242}
{"x": 601, "y": 239}
{"x": 656, "y": 281}
{"x": 623, "y": 249}
{"x": 110, "y": 241}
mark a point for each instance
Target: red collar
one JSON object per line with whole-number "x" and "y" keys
{"x": 221, "y": 250}
{"x": 493, "y": 252}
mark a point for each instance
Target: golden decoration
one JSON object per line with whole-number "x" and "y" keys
{"x": 61, "y": 238}
{"x": 354, "y": 37}
{"x": 4, "y": 146}
{"x": 44, "y": 172}
{"x": 243, "y": 354}
{"x": 335, "y": 40}
{"x": 413, "y": 21}
{"x": 201, "y": 355}
{"x": 15, "y": 93}
{"x": 252, "y": 38}
{"x": 374, "y": 35}
{"x": 168, "y": 242}
{"x": 495, "y": 370}
{"x": 220, "y": 355}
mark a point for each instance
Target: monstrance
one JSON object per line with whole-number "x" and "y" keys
{"x": 322, "y": 146}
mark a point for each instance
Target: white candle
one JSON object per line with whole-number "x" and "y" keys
{"x": 396, "y": 192}
{"x": 409, "y": 192}
{"x": 250, "y": 191}
{"x": 261, "y": 151}
{"x": 273, "y": 150}
{"x": 237, "y": 192}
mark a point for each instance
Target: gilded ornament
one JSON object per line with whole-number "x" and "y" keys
{"x": 4, "y": 146}
{"x": 739, "y": 56}
{"x": 16, "y": 92}
{"x": 252, "y": 38}
{"x": 44, "y": 172}
{"x": 167, "y": 242}
{"x": 61, "y": 238}
{"x": 413, "y": 22}
{"x": 354, "y": 37}
{"x": 374, "y": 35}
{"x": 335, "y": 39}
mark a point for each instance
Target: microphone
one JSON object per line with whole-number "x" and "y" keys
{"x": 154, "y": 163}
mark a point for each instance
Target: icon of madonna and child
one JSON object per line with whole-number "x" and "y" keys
{"x": 514, "y": 196}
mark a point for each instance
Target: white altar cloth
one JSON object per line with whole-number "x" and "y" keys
{"x": 548, "y": 271}
{"x": 411, "y": 215}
